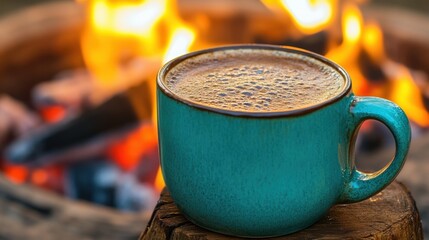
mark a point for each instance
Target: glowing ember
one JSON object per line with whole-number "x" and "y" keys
{"x": 128, "y": 152}
{"x": 39, "y": 177}
{"x": 53, "y": 113}
{"x": 17, "y": 174}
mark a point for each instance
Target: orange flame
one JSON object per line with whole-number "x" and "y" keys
{"x": 127, "y": 18}
{"x": 357, "y": 36}
{"x": 180, "y": 43}
{"x": 309, "y": 16}
{"x": 119, "y": 30}
{"x": 351, "y": 24}
{"x": 402, "y": 88}
{"x": 373, "y": 42}
{"x": 368, "y": 37}
{"x": 159, "y": 181}
{"x": 347, "y": 53}
{"x": 406, "y": 94}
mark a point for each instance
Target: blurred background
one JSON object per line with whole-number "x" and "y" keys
{"x": 77, "y": 95}
{"x": 415, "y": 5}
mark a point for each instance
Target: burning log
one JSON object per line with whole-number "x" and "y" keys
{"x": 70, "y": 89}
{"x": 406, "y": 35}
{"x": 317, "y": 43}
{"x": 15, "y": 119}
{"x": 223, "y": 21}
{"x": 51, "y": 143}
{"x": 370, "y": 69}
{"x": 78, "y": 88}
{"x": 46, "y": 43}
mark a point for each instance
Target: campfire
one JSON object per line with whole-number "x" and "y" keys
{"x": 90, "y": 132}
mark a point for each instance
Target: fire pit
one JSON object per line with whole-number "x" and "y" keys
{"x": 29, "y": 211}
{"x": 48, "y": 43}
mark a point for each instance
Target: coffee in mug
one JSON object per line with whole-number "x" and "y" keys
{"x": 254, "y": 80}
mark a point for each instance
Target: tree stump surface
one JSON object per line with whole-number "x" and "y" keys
{"x": 391, "y": 214}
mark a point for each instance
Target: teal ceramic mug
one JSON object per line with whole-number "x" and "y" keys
{"x": 268, "y": 174}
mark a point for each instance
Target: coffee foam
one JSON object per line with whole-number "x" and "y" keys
{"x": 254, "y": 80}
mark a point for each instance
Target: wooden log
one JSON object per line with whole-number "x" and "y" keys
{"x": 406, "y": 34}
{"x": 391, "y": 214}
{"x": 413, "y": 174}
{"x": 28, "y": 212}
{"x": 36, "y": 44}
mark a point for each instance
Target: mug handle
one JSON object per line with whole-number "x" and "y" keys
{"x": 364, "y": 185}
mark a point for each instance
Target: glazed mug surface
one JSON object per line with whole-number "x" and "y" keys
{"x": 269, "y": 174}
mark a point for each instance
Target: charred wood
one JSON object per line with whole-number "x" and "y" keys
{"x": 115, "y": 114}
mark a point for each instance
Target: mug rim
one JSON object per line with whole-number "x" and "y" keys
{"x": 172, "y": 63}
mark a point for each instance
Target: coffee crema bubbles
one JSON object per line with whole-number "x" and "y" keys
{"x": 254, "y": 80}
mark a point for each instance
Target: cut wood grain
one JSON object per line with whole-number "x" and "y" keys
{"x": 414, "y": 174}
{"x": 391, "y": 214}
